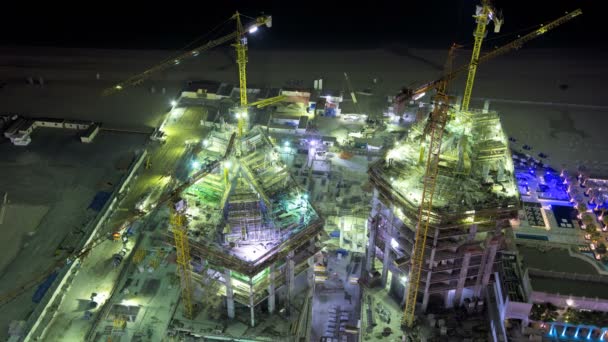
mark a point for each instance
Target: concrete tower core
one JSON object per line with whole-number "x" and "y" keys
{"x": 475, "y": 197}
{"x": 252, "y": 231}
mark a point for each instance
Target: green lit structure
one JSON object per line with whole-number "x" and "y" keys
{"x": 250, "y": 228}
{"x": 475, "y": 197}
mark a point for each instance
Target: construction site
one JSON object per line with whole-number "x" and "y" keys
{"x": 301, "y": 212}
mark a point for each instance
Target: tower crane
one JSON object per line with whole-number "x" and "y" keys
{"x": 182, "y": 246}
{"x": 168, "y": 63}
{"x": 408, "y": 94}
{"x": 177, "y": 219}
{"x": 436, "y": 125}
{"x": 484, "y": 13}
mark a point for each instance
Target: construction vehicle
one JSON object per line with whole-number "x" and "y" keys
{"x": 409, "y": 94}
{"x": 435, "y": 129}
{"x": 170, "y": 62}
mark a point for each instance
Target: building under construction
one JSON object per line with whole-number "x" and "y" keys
{"x": 251, "y": 230}
{"x": 475, "y": 197}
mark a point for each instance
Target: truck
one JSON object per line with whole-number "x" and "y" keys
{"x": 159, "y": 136}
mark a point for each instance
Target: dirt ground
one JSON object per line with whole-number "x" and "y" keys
{"x": 26, "y": 219}
{"x": 50, "y": 184}
{"x": 547, "y": 98}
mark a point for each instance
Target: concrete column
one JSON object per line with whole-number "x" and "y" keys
{"x": 462, "y": 279}
{"x": 447, "y": 302}
{"x": 425, "y": 295}
{"x": 271, "y": 290}
{"x": 311, "y": 272}
{"x": 373, "y": 222}
{"x": 311, "y": 245}
{"x": 251, "y": 303}
{"x": 472, "y": 232}
{"x": 386, "y": 260}
{"x": 387, "y": 245}
{"x": 371, "y": 244}
{"x": 489, "y": 265}
{"x": 290, "y": 278}
{"x": 229, "y": 294}
{"x": 484, "y": 258}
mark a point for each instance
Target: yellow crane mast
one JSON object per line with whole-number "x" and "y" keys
{"x": 408, "y": 94}
{"x": 241, "y": 59}
{"x": 437, "y": 121}
{"x": 180, "y": 234}
{"x": 484, "y": 14}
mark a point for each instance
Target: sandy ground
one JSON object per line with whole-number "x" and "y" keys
{"x": 561, "y": 123}
{"x": 20, "y": 222}
{"x": 50, "y": 184}
{"x": 96, "y": 273}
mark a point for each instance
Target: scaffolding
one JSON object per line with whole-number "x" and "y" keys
{"x": 250, "y": 224}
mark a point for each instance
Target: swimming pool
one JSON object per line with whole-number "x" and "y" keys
{"x": 532, "y": 237}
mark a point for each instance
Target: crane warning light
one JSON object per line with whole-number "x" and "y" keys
{"x": 253, "y": 29}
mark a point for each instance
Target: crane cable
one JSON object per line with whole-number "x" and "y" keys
{"x": 517, "y": 32}
{"x": 185, "y": 48}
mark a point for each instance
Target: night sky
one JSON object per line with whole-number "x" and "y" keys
{"x": 303, "y": 24}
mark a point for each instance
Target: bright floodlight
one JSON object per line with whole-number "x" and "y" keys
{"x": 404, "y": 279}
{"x": 286, "y": 144}
{"x": 313, "y": 142}
{"x": 416, "y": 97}
{"x": 173, "y": 103}
{"x": 195, "y": 164}
{"x": 227, "y": 164}
{"x": 205, "y": 142}
{"x": 253, "y": 29}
